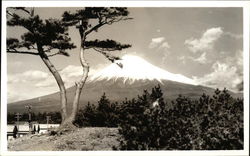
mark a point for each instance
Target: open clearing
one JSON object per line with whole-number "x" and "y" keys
{"x": 83, "y": 139}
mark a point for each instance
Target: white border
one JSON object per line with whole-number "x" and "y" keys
{"x": 246, "y": 49}
{"x": 246, "y": 14}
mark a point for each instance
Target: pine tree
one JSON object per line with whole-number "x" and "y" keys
{"x": 88, "y": 21}
{"x": 44, "y": 38}
{"x": 142, "y": 124}
{"x": 207, "y": 123}
{"x": 104, "y": 110}
{"x": 87, "y": 116}
{"x": 49, "y": 37}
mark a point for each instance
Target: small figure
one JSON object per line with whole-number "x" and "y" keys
{"x": 38, "y": 129}
{"x": 15, "y": 131}
{"x": 34, "y": 129}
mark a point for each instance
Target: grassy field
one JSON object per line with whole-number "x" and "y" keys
{"x": 83, "y": 139}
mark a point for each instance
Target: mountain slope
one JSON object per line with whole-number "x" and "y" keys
{"x": 135, "y": 68}
{"x": 115, "y": 91}
{"x": 118, "y": 83}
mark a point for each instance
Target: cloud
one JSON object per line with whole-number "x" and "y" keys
{"x": 22, "y": 86}
{"x": 206, "y": 42}
{"x": 28, "y": 76}
{"x": 222, "y": 76}
{"x": 156, "y": 42}
{"x": 165, "y": 45}
{"x": 160, "y": 44}
{"x": 69, "y": 74}
{"x": 201, "y": 59}
{"x": 35, "y": 83}
{"x": 239, "y": 58}
{"x": 72, "y": 71}
{"x": 226, "y": 73}
{"x": 165, "y": 57}
{"x": 182, "y": 59}
{"x": 18, "y": 92}
{"x": 35, "y": 75}
{"x": 235, "y": 36}
{"x": 50, "y": 82}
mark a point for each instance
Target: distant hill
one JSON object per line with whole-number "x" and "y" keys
{"x": 126, "y": 81}
{"x": 115, "y": 91}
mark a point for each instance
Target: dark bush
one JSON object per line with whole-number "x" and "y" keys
{"x": 105, "y": 114}
{"x": 87, "y": 116}
{"x": 210, "y": 123}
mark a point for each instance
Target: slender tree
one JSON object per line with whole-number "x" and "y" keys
{"x": 43, "y": 38}
{"x": 88, "y": 21}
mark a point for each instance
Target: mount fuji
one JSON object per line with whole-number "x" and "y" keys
{"x": 128, "y": 80}
{"x": 135, "y": 68}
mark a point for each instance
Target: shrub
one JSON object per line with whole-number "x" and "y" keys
{"x": 148, "y": 123}
{"x": 105, "y": 114}
{"x": 209, "y": 123}
{"x": 142, "y": 123}
{"x": 87, "y": 116}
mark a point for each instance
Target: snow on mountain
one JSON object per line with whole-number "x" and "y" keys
{"x": 136, "y": 68}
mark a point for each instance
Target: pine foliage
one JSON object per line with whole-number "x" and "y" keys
{"x": 89, "y": 20}
{"x": 210, "y": 123}
{"x": 50, "y": 34}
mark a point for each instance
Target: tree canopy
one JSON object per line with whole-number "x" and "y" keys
{"x": 49, "y": 34}
{"x": 91, "y": 19}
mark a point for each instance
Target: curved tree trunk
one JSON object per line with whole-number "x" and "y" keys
{"x": 79, "y": 86}
{"x": 69, "y": 122}
{"x": 57, "y": 76}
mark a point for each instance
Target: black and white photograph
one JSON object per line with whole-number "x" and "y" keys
{"x": 125, "y": 78}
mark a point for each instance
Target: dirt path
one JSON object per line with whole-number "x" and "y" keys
{"x": 82, "y": 139}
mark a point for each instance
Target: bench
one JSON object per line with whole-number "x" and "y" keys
{"x": 18, "y": 133}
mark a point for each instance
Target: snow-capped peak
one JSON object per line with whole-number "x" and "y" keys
{"x": 136, "y": 68}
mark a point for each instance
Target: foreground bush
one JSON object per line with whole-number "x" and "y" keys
{"x": 149, "y": 123}
{"x": 210, "y": 123}
{"x": 105, "y": 114}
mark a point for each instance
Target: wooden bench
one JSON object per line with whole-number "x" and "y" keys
{"x": 18, "y": 133}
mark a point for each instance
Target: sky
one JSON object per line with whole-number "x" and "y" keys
{"x": 204, "y": 44}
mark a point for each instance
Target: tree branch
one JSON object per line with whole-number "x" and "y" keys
{"x": 53, "y": 54}
{"x": 95, "y": 28}
{"x": 9, "y": 13}
{"x": 48, "y": 50}
{"x": 106, "y": 45}
{"x": 107, "y": 55}
{"x": 25, "y": 10}
{"x": 110, "y": 57}
{"x": 32, "y": 47}
{"x": 22, "y": 52}
{"x": 101, "y": 23}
